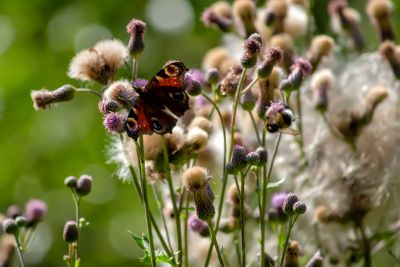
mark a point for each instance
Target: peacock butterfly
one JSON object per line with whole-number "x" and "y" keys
{"x": 160, "y": 103}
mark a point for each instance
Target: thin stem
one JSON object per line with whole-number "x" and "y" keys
{"x": 292, "y": 221}
{"x": 173, "y": 199}
{"x": 88, "y": 91}
{"x": 300, "y": 124}
{"x": 145, "y": 200}
{"x": 242, "y": 226}
{"x": 237, "y": 246}
{"x": 186, "y": 232}
{"x": 160, "y": 206}
{"x": 215, "y": 243}
{"x": 77, "y": 217}
{"x": 135, "y": 65}
{"x": 18, "y": 246}
{"x": 245, "y": 90}
{"x": 70, "y": 254}
{"x": 255, "y": 127}
{"x": 366, "y": 246}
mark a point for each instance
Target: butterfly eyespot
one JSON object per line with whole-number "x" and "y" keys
{"x": 172, "y": 70}
{"x": 178, "y": 96}
{"x": 156, "y": 124}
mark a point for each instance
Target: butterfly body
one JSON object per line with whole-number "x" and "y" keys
{"x": 160, "y": 103}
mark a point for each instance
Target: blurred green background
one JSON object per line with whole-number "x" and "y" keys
{"x": 39, "y": 149}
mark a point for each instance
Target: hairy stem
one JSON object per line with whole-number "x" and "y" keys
{"x": 215, "y": 243}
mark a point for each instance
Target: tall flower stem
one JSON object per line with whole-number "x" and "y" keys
{"x": 70, "y": 255}
{"x": 215, "y": 243}
{"x": 300, "y": 124}
{"x": 135, "y": 65}
{"x": 139, "y": 148}
{"x": 89, "y": 91}
{"x": 77, "y": 201}
{"x": 173, "y": 199}
{"x": 18, "y": 247}
{"x": 186, "y": 232}
{"x": 242, "y": 214}
{"x": 292, "y": 221}
{"x": 366, "y": 245}
{"x": 255, "y": 128}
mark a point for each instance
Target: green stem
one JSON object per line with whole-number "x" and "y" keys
{"x": 88, "y": 91}
{"x": 242, "y": 225}
{"x": 18, "y": 247}
{"x": 238, "y": 253}
{"x": 135, "y": 65}
{"x": 300, "y": 124}
{"x": 173, "y": 199}
{"x": 186, "y": 233}
{"x": 70, "y": 255}
{"x": 139, "y": 147}
{"x": 255, "y": 128}
{"x": 245, "y": 90}
{"x": 292, "y": 221}
{"x": 77, "y": 201}
{"x": 215, "y": 243}
{"x": 366, "y": 246}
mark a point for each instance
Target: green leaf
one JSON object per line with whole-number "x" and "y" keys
{"x": 77, "y": 262}
{"x": 276, "y": 183}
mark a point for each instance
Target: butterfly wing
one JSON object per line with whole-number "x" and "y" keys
{"x": 162, "y": 100}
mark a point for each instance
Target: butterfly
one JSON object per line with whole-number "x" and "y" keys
{"x": 160, "y": 103}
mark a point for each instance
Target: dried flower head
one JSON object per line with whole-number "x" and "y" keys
{"x": 387, "y": 50}
{"x": 321, "y": 46}
{"x": 99, "y": 63}
{"x": 245, "y": 13}
{"x": 43, "y": 99}
{"x": 121, "y": 92}
{"x": 212, "y": 18}
{"x": 321, "y": 83}
{"x": 202, "y": 123}
{"x": 379, "y": 13}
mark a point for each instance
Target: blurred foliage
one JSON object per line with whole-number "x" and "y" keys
{"x": 39, "y": 149}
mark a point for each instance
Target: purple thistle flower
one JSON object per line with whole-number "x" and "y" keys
{"x": 278, "y": 199}
{"x": 114, "y": 122}
{"x": 35, "y": 210}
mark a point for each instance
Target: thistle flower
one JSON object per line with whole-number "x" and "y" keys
{"x": 272, "y": 57}
{"x": 252, "y": 46}
{"x": 84, "y": 185}
{"x": 316, "y": 260}
{"x": 213, "y": 76}
{"x": 43, "y": 98}
{"x": 248, "y": 100}
{"x": 198, "y": 226}
{"x": 300, "y": 69}
{"x": 136, "y": 28}
{"x": 114, "y": 122}
{"x": 122, "y": 92}
{"x": 387, "y": 50}
{"x": 379, "y": 13}
{"x": 193, "y": 86}
{"x": 212, "y": 18}
{"x": 238, "y": 161}
{"x": 9, "y": 226}
{"x": 321, "y": 46}
{"x": 108, "y": 105}
{"x": 245, "y": 13}
{"x": 99, "y": 63}
{"x": 71, "y": 232}
{"x": 21, "y": 221}
{"x": 13, "y": 211}
{"x": 230, "y": 83}
{"x": 321, "y": 83}
{"x": 35, "y": 210}
{"x": 280, "y": 9}
{"x": 219, "y": 58}
{"x": 196, "y": 181}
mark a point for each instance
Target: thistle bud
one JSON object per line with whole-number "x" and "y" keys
{"x": 321, "y": 82}
{"x": 379, "y": 13}
{"x": 136, "y": 28}
{"x": 196, "y": 181}
{"x": 252, "y": 47}
{"x": 245, "y": 11}
{"x": 253, "y": 159}
{"x": 13, "y": 211}
{"x": 238, "y": 161}
{"x": 321, "y": 46}
{"x": 262, "y": 154}
{"x": 71, "y": 232}
{"x": 272, "y": 57}
{"x": 84, "y": 185}
{"x": 248, "y": 100}
{"x": 316, "y": 260}
{"x": 210, "y": 18}
{"x": 193, "y": 87}
{"x": 213, "y": 76}
{"x": 288, "y": 203}
{"x": 122, "y": 92}
{"x": 108, "y": 105}
{"x": 35, "y": 210}
{"x": 387, "y": 50}
{"x": 21, "y": 221}
{"x": 70, "y": 182}
{"x": 198, "y": 226}
{"x": 285, "y": 42}
{"x": 43, "y": 99}
{"x": 299, "y": 207}
{"x": 114, "y": 122}
{"x": 300, "y": 69}
{"x": 10, "y": 227}
{"x": 229, "y": 84}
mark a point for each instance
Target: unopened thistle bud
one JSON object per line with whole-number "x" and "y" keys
{"x": 321, "y": 46}
{"x": 253, "y": 159}
{"x": 21, "y": 221}
{"x": 71, "y": 232}
{"x": 387, "y": 50}
{"x": 211, "y": 18}
{"x": 299, "y": 207}
{"x": 379, "y": 13}
{"x": 84, "y": 185}
{"x": 321, "y": 83}
{"x": 213, "y": 76}
{"x": 114, "y": 122}
{"x": 316, "y": 260}
{"x": 245, "y": 11}
{"x": 252, "y": 47}
{"x": 193, "y": 86}
{"x": 238, "y": 161}
{"x": 108, "y": 105}
{"x": 70, "y": 182}
{"x": 262, "y": 154}
{"x": 196, "y": 181}
{"x": 136, "y": 28}
{"x": 198, "y": 226}
{"x": 35, "y": 210}
{"x": 300, "y": 69}
{"x": 9, "y": 226}
{"x": 13, "y": 211}
{"x": 272, "y": 57}
{"x": 122, "y": 92}
{"x": 248, "y": 100}
{"x": 288, "y": 204}
{"x": 43, "y": 99}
